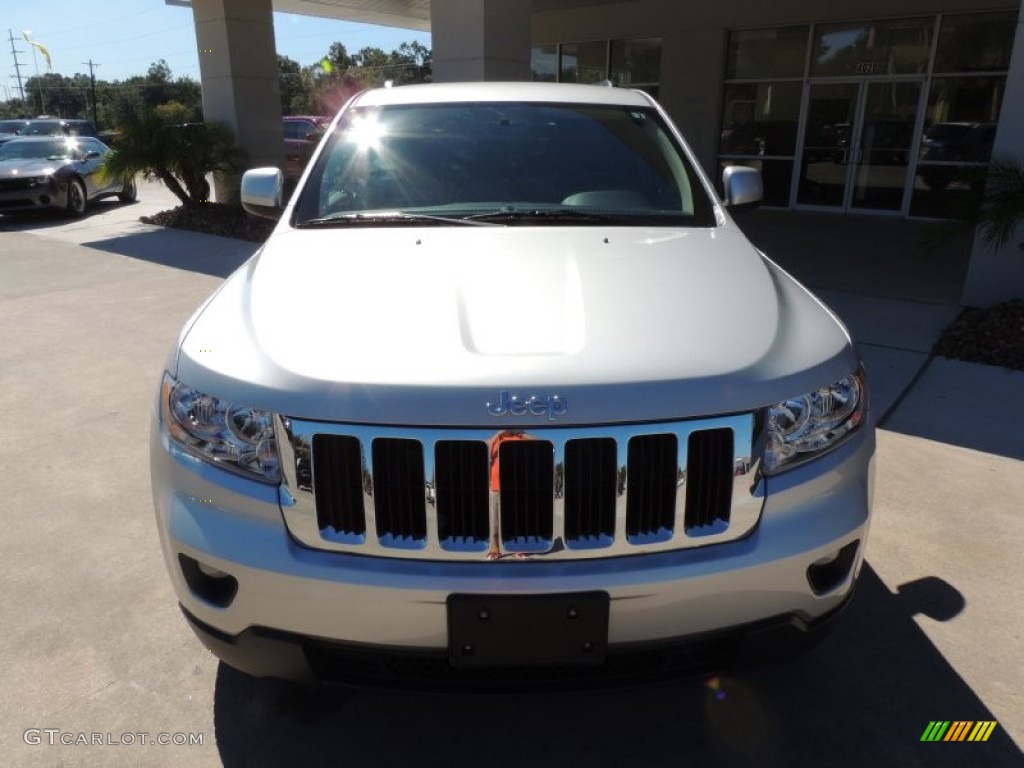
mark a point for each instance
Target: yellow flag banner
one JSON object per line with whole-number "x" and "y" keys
{"x": 40, "y": 47}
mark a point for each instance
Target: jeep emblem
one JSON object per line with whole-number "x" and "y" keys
{"x": 510, "y": 404}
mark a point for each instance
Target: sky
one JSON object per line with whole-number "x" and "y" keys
{"x": 125, "y": 36}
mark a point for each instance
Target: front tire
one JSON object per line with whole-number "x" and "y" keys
{"x": 129, "y": 191}
{"x": 76, "y": 198}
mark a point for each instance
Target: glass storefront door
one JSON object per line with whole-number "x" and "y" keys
{"x": 856, "y": 151}
{"x": 827, "y": 150}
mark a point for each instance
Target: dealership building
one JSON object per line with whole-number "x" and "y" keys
{"x": 868, "y": 108}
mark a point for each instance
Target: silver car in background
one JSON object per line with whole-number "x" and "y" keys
{"x": 45, "y": 172}
{"x": 507, "y": 396}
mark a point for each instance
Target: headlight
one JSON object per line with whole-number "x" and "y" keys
{"x": 37, "y": 181}
{"x": 804, "y": 427}
{"x": 227, "y": 434}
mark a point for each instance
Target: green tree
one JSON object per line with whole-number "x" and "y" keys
{"x": 55, "y": 94}
{"x": 179, "y": 155}
{"x": 147, "y": 91}
{"x": 409, "y": 63}
{"x": 296, "y": 87}
{"x": 337, "y": 59}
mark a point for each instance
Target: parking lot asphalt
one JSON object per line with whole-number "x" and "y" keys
{"x": 93, "y": 643}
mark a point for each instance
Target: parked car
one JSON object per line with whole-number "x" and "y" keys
{"x": 39, "y": 172}
{"x": 60, "y": 127}
{"x": 508, "y": 396}
{"x": 301, "y": 135}
{"x": 11, "y": 128}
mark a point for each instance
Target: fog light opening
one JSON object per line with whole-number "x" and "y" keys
{"x": 827, "y": 573}
{"x": 208, "y": 583}
{"x": 213, "y": 573}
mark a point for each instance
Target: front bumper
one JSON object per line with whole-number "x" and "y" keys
{"x": 265, "y": 652}
{"x": 36, "y": 198}
{"x": 303, "y": 609}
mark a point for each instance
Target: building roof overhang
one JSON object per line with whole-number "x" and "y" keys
{"x": 408, "y": 14}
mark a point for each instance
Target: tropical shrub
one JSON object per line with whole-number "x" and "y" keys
{"x": 181, "y": 155}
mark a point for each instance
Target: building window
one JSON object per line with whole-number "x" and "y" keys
{"x": 760, "y": 108}
{"x": 634, "y": 63}
{"x": 963, "y": 110}
{"x": 584, "y": 62}
{"x": 783, "y": 84}
{"x": 544, "y": 63}
{"x": 767, "y": 53}
{"x": 760, "y": 118}
{"x": 977, "y": 42}
{"x": 959, "y": 131}
{"x": 897, "y": 47}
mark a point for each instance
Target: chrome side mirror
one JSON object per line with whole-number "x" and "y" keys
{"x": 262, "y": 192}
{"x": 743, "y": 186}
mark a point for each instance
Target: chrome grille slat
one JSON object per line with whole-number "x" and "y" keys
{"x": 460, "y": 495}
{"x": 590, "y": 492}
{"x": 566, "y": 492}
{"x": 653, "y": 473}
{"x": 526, "y": 469}
{"x": 337, "y": 477}
{"x": 709, "y": 469}
{"x": 399, "y": 505}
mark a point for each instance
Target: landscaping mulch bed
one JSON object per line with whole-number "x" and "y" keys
{"x": 993, "y": 336}
{"x": 215, "y": 219}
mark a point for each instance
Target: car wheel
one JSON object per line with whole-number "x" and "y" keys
{"x": 76, "y": 197}
{"x": 129, "y": 192}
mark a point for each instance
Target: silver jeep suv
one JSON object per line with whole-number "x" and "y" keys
{"x": 507, "y": 394}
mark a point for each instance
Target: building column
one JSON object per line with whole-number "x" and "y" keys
{"x": 692, "y": 70}
{"x": 480, "y": 40}
{"x": 997, "y": 274}
{"x": 241, "y": 86}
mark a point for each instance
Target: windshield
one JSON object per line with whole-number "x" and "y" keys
{"x": 27, "y": 150}
{"x": 507, "y": 162}
{"x": 11, "y": 126}
{"x": 43, "y": 129}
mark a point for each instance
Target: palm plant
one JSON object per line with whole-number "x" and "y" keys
{"x": 180, "y": 156}
{"x": 1001, "y": 208}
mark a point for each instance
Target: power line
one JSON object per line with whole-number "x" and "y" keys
{"x": 96, "y": 43}
{"x": 103, "y": 23}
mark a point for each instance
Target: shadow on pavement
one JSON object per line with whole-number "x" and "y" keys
{"x": 53, "y": 218}
{"x": 973, "y": 393}
{"x": 864, "y": 696}
{"x": 191, "y": 251}
{"x": 868, "y": 255}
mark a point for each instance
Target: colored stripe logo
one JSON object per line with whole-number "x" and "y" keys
{"x": 958, "y": 730}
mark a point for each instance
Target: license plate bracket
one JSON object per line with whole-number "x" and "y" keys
{"x": 527, "y": 630}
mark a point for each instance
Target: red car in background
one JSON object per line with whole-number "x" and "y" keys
{"x": 301, "y": 135}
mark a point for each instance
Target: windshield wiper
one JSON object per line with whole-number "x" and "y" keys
{"x": 390, "y": 217}
{"x": 552, "y": 215}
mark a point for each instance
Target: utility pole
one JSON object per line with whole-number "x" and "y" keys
{"x": 17, "y": 64}
{"x": 92, "y": 80}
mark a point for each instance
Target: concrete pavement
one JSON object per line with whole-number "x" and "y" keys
{"x": 93, "y": 642}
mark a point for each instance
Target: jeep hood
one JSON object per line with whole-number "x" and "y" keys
{"x": 425, "y": 325}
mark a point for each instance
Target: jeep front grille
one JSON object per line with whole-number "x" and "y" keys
{"x": 573, "y": 492}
